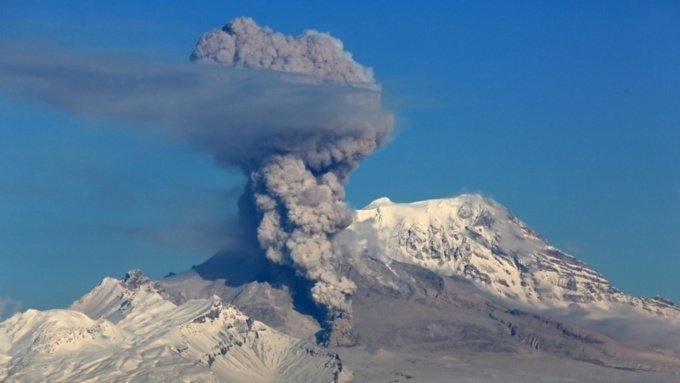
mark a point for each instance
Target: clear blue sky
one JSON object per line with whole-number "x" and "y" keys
{"x": 567, "y": 112}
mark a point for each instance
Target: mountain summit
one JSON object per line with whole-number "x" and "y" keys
{"x": 481, "y": 240}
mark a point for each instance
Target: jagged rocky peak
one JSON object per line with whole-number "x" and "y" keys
{"x": 135, "y": 278}
{"x": 219, "y": 310}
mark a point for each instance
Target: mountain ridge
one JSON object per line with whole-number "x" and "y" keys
{"x": 438, "y": 282}
{"x": 129, "y": 331}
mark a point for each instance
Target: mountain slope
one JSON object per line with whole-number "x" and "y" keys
{"x": 423, "y": 313}
{"x": 129, "y": 332}
{"x": 479, "y": 239}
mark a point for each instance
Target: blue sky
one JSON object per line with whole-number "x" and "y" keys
{"x": 566, "y": 112}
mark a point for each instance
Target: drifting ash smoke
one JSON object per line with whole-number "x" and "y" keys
{"x": 299, "y": 193}
{"x": 295, "y": 114}
{"x": 243, "y": 44}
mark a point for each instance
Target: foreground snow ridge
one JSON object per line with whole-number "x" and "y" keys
{"x": 128, "y": 331}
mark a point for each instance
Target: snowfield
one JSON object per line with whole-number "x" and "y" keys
{"x": 129, "y": 332}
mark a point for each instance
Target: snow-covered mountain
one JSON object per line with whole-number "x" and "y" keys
{"x": 440, "y": 284}
{"x": 130, "y": 331}
{"x": 479, "y": 239}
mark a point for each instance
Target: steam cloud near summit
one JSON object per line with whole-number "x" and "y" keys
{"x": 295, "y": 114}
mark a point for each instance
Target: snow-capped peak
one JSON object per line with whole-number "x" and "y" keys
{"x": 379, "y": 202}
{"x": 115, "y": 299}
{"x": 135, "y": 278}
{"x": 127, "y": 331}
{"x": 478, "y": 238}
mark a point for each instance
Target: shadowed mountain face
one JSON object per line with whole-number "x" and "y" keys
{"x": 404, "y": 312}
{"x": 237, "y": 270}
{"x": 425, "y": 313}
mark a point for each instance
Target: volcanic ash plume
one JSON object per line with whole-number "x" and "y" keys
{"x": 243, "y": 44}
{"x": 295, "y": 114}
{"x": 299, "y": 188}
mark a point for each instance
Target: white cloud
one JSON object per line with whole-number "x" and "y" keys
{"x": 8, "y": 306}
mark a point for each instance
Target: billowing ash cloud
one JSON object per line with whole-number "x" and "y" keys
{"x": 295, "y": 114}
{"x": 300, "y": 194}
{"x": 243, "y": 44}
